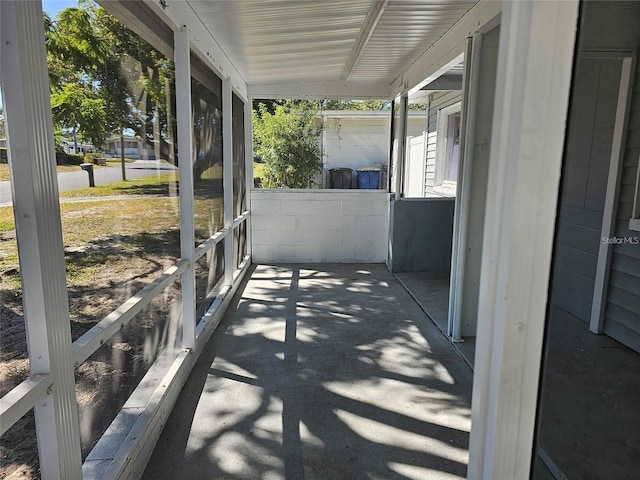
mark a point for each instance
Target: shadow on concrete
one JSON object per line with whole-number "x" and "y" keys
{"x": 321, "y": 372}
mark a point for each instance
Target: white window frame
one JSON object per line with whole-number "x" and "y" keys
{"x": 445, "y": 187}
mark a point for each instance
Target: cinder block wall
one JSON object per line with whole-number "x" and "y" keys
{"x": 316, "y": 226}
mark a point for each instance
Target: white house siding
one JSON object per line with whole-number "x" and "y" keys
{"x": 314, "y": 226}
{"x": 437, "y": 101}
{"x": 356, "y": 142}
{"x": 361, "y": 139}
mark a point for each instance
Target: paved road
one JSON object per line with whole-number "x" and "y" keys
{"x": 80, "y": 179}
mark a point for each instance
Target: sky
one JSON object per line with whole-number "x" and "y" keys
{"x": 52, "y": 7}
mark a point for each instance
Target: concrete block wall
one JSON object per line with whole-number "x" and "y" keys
{"x": 316, "y": 226}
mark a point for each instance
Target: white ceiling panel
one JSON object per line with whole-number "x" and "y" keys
{"x": 282, "y": 40}
{"x": 357, "y": 42}
{"x": 406, "y": 30}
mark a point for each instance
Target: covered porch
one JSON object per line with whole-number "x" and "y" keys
{"x": 291, "y": 349}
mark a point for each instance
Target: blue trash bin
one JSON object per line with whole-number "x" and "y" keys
{"x": 368, "y": 178}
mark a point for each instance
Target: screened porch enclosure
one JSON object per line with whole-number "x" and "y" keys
{"x": 120, "y": 315}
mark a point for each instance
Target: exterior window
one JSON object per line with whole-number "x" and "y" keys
{"x": 448, "y": 150}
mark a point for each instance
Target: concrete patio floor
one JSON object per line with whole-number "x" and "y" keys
{"x": 431, "y": 291}
{"x": 321, "y": 372}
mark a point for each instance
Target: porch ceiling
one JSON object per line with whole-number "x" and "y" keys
{"x": 366, "y": 43}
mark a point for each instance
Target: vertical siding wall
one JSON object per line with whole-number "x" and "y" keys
{"x": 608, "y": 26}
{"x": 623, "y": 302}
{"x": 315, "y": 226}
{"x": 585, "y": 171}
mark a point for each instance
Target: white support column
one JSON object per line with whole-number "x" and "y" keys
{"x": 227, "y": 179}
{"x": 527, "y": 144}
{"x": 461, "y": 217}
{"x": 402, "y": 145}
{"x": 182, "y": 60}
{"x": 25, "y": 90}
{"x": 248, "y": 148}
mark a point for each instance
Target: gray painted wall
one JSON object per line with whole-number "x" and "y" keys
{"x": 584, "y": 183}
{"x": 606, "y": 26}
{"x": 622, "y": 314}
{"x": 421, "y": 235}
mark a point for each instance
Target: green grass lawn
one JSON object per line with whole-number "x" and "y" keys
{"x": 153, "y": 185}
{"x": 153, "y": 208}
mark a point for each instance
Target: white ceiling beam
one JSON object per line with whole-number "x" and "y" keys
{"x": 368, "y": 27}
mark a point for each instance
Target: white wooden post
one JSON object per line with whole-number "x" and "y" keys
{"x": 463, "y": 191}
{"x": 402, "y": 145}
{"x": 25, "y": 90}
{"x": 227, "y": 179}
{"x": 533, "y": 80}
{"x": 182, "y": 60}
{"x": 248, "y": 148}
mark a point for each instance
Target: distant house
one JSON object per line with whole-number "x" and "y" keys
{"x": 134, "y": 148}
{"x": 69, "y": 146}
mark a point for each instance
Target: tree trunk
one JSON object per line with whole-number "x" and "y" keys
{"x": 122, "y": 162}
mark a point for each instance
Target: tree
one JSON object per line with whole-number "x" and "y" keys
{"x": 326, "y": 104}
{"x": 104, "y": 74}
{"x": 75, "y": 108}
{"x": 137, "y": 82}
{"x": 287, "y": 142}
{"x": 75, "y": 53}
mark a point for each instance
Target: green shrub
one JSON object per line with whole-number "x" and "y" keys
{"x": 69, "y": 159}
{"x": 287, "y": 141}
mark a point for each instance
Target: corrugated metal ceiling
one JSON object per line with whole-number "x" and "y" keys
{"x": 284, "y": 41}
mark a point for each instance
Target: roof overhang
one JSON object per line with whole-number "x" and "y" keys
{"x": 323, "y": 49}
